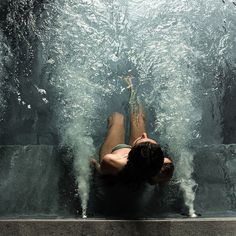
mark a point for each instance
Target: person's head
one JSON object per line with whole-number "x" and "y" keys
{"x": 143, "y": 138}
{"x": 145, "y": 160}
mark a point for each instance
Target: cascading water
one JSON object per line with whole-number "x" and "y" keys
{"x": 2, "y": 100}
{"x": 5, "y": 60}
{"x": 176, "y": 51}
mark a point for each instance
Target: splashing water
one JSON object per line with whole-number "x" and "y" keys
{"x": 178, "y": 53}
{"x": 2, "y": 100}
{"x": 76, "y": 132}
{"x": 83, "y": 150}
{"x": 74, "y": 71}
{"x": 89, "y": 45}
{"x": 5, "y": 60}
{"x": 167, "y": 42}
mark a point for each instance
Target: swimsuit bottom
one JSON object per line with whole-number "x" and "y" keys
{"x": 120, "y": 146}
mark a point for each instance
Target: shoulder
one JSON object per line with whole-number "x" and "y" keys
{"x": 108, "y": 158}
{"x": 112, "y": 164}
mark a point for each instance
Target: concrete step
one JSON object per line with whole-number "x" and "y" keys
{"x": 37, "y": 180}
{"x": 101, "y": 227}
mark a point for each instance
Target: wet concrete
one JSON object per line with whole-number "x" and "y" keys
{"x": 170, "y": 227}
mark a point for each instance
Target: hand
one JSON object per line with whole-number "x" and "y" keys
{"x": 95, "y": 164}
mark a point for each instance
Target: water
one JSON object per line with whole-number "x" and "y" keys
{"x": 5, "y": 63}
{"x": 71, "y": 57}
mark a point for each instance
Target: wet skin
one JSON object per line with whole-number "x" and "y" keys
{"x": 111, "y": 163}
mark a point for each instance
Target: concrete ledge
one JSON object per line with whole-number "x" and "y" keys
{"x": 72, "y": 227}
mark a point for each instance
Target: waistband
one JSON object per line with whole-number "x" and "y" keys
{"x": 120, "y": 146}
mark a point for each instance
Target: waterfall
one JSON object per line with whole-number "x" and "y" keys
{"x": 77, "y": 51}
{"x": 5, "y": 63}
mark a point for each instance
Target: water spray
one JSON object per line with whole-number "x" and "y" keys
{"x": 84, "y": 213}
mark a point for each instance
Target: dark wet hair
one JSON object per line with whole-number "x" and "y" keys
{"x": 165, "y": 173}
{"x": 145, "y": 160}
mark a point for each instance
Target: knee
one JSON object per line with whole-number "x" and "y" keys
{"x": 117, "y": 118}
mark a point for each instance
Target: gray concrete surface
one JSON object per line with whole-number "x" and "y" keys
{"x": 170, "y": 227}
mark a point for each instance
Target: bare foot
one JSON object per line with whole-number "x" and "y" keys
{"x": 128, "y": 80}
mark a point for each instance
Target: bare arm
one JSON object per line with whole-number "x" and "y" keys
{"x": 110, "y": 164}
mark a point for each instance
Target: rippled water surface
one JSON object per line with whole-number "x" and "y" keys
{"x": 69, "y": 58}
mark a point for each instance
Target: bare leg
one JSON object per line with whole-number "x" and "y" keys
{"x": 137, "y": 117}
{"x": 137, "y": 125}
{"x": 115, "y": 134}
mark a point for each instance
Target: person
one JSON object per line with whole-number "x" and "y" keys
{"x": 142, "y": 160}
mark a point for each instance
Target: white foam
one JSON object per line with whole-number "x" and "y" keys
{"x": 5, "y": 60}
{"x": 166, "y": 42}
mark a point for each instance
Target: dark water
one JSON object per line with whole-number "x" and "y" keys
{"x": 61, "y": 70}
